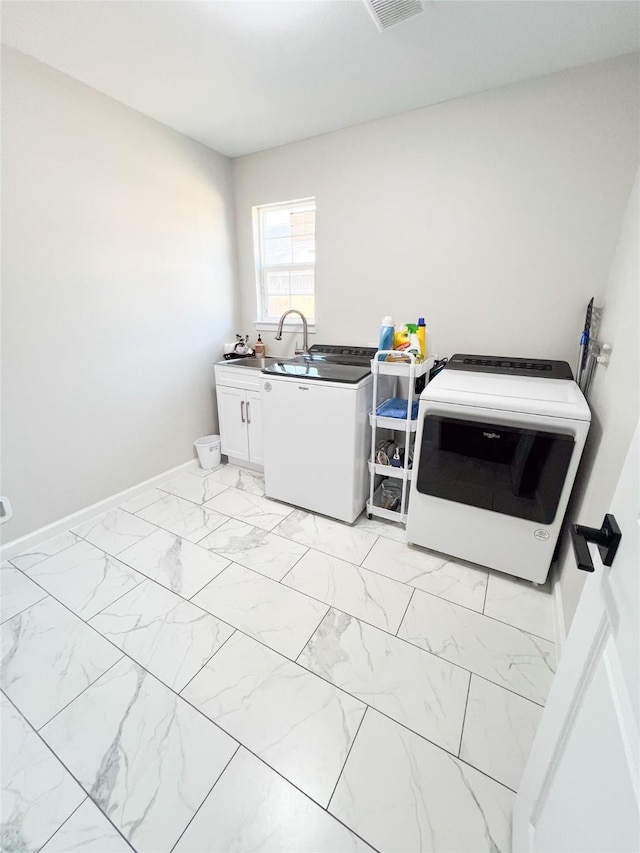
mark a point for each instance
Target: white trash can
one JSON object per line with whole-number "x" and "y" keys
{"x": 208, "y": 448}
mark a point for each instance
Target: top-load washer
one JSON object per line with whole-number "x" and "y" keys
{"x": 315, "y": 428}
{"x": 498, "y": 445}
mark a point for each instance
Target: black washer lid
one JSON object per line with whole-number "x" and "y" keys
{"x": 541, "y": 368}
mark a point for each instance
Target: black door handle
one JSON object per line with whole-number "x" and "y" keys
{"x": 607, "y": 538}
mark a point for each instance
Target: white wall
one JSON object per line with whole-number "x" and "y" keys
{"x": 613, "y": 400}
{"x": 118, "y": 274}
{"x": 495, "y": 216}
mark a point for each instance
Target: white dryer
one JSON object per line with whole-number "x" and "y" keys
{"x": 497, "y": 448}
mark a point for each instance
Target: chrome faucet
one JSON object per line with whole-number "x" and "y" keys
{"x": 305, "y": 330}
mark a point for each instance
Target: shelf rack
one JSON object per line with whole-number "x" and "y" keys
{"x": 411, "y": 371}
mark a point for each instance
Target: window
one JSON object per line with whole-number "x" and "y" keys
{"x": 285, "y": 249}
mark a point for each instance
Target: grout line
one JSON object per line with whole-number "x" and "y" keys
{"x": 66, "y": 820}
{"x": 209, "y": 659}
{"x": 373, "y": 544}
{"x": 72, "y": 612}
{"x": 344, "y": 763}
{"x": 486, "y": 590}
{"x": 135, "y": 512}
{"x": 72, "y": 775}
{"x": 309, "y": 797}
{"x": 255, "y": 639}
{"x": 404, "y": 614}
{"x": 139, "y": 583}
{"x": 288, "y": 572}
{"x": 235, "y": 752}
{"x": 195, "y": 505}
{"x": 28, "y": 607}
{"x": 478, "y": 613}
{"x": 61, "y": 551}
{"x": 508, "y": 689}
{"x": 198, "y": 591}
{"x": 218, "y": 725}
{"x": 464, "y": 716}
{"x": 232, "y": 737}
{"x": 264, "y": 644}
{"x": 84, "y": 689}
{"x": 313, "y": 633}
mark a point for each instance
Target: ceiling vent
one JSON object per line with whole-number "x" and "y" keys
{"x": 388, "y": 13}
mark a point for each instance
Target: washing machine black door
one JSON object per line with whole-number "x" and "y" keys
{"x": 519, "y": 472}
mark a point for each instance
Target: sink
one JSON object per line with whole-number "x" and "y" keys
{"x": 257, "y": 363}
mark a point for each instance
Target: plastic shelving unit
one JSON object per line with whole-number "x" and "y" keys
{"x": 400, "y": 370}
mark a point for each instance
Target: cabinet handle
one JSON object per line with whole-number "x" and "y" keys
{"x": 248, "y": 418}
{"x": 242, "y": 412}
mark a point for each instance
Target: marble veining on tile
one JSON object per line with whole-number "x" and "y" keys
{"x": 49, "y": 656}
{"x": 296, "y": 722}
{"x": 417, "y": 689}
{"x": 255, "y": 549}
{"x": 169, "y": 636}
{"x": 84, "y": 578}
{"x": 146, "y": 757}
{"x": 253, "y": 809}
{"x": 38, "y": 793}
{"x": 367, "y": 595}
{"x": 521, "y": 604}
{"x": 499, "y": 728}
{"x": 324, "y": 534}
{"x": 182, "y": 517}
{"x": 254, "y": 509}
{"x": 176, "y": 563}
{"x": 17, "y": 592}
{"x": 87, "y": 831}
{"x": 435, "y": 573}
{"x": 279, "y": 617}
{"x": 401, "y": 793}
{"x": 503, "y": 654}
{"x": 191, "y": 487}
{"x": 114, "y": 531}
{"x": 240, "y": 478}
{"x": 205, "y": 632}
{"x": 46, "y": 549}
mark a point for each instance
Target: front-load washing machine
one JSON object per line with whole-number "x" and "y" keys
{"x": 497, "y": 449}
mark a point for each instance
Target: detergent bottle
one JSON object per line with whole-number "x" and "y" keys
{"x": 414, "y": 342}
{"x": 387, "y": 332}
{"x": 422, "y": 336}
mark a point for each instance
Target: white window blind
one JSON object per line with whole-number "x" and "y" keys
{"x": 285, "y": 237}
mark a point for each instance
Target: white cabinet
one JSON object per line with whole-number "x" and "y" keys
{"x": 239, "y": 412}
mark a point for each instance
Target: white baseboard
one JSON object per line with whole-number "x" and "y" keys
{"x": 32, "y": 540}
{"x": 559, "y": 627}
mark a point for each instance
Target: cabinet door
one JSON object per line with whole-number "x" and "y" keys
{"x": 232, "y": 406}
{"x": 254, "y": 424}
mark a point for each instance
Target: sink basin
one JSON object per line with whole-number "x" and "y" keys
{"x": 258, "y": 362}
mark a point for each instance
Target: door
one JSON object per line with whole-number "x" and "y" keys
{"x": 233, "y": 422}
{"x": 513, "y": 470}
{"x": 580, "y": 789}
{"x": 254, "y": 426}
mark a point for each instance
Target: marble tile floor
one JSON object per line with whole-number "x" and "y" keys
{"x": 203, "y": 669}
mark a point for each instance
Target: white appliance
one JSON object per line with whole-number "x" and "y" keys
{"x": 497, "y": 449}
{"x": 316, "y": 434}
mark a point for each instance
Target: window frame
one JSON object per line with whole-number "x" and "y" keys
{"x": 264, "y": 320}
